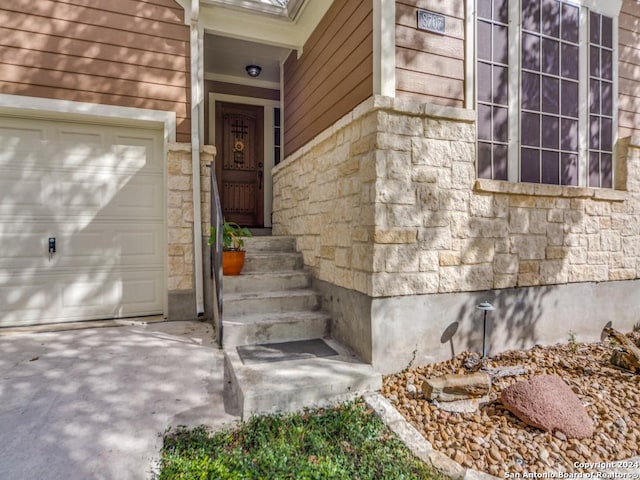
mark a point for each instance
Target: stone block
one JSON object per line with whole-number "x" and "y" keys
{"x": 402, "y": 216}
{"x": 398, "y": 166}
{"x": 622, "y": 274}
{"x": 436, "y": 238}
{"x": 449, "y": 258}
{"x": 557, "y": 253}
{"x": 501, "y": 280}
{"x": 401, "y": 124}
{"x": 529, "y": 247}
{"x": 610, "y": 241}
{"x": 392, "y": 284}
{"x": 519, "y": 220}
{"x": 426, "y": 151}
{"x": 505, "y": 263}
{"x": 553, "y": 272}
{"x": 402, "y": 258}
{"x": 538, "y": 222}
{"x": 481, "y": 205}
{"x": 391, "y": 141}
{"x": 428, "y": 197}
{"x": 395, "y": 235}
{"x": 429, "y": 261}
{"x": 528, "y": 267}
{"x": 466, "y": 278}
{"x": 424, "y": 174}
{"x": 577, "y": 256}
{"x": 477, "y": 250}
{"x": 395, "y": 192}
{"x": 528, "y": 280}
{"x": 555, "y": 215}
{"x": 555, "y": 234}
{"x": 453, "y": 387}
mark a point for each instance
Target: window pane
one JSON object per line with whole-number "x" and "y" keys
{"x": 594, "y": 96}
{"x": 569, "y": 93}
{"x": 530, "y": 129}
{"x": 501, "y": 10}
{"x": 569, "y": 169}
{"x": 551, "y": 18}
{"x": 530, "y": 52}
{"x": 484, "y": 82}
{"x": 529, "y": 165}
{"x": 530, "y": 91}
{"x": 606, "y": 176}
{"x": 606, "y": 65}
{"x": 570, "y": 22}
{"x": 550, "y": 132}
{"x": 500, "y": 125}
{"x": 594, "y": 132}
{"x": 484, "y": 122}
{"x": 606, "y": 142}
{"x": 569, "y": 135}
{"x": 484, "y": 41}
{"x": 550, "y": 56}
{"x": 500, "y": 162}
{"x": 594, "y": 169}
{"x": 594, "y": 61}
{"x": 500, "y": 44}
{"x": 607, "y": 98}
{"x": 550, "y": 171}
{"x": 531, "y": 15}
{"x": 484, "y": 160}
{"x": 484, "y": 9}
{"x": 607, "y": 32}
{"x": 550, "y": 94}
{"x": 500, "y": 85}
{"x": 569, "y": 61}
{"x": 594, "y": 28}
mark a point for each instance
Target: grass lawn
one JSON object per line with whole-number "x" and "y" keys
{"x": 345, "y": 442}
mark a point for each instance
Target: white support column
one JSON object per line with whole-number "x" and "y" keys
{"x": 470, "y": 55}
{"x": 583, "y": 101}
{"x": 384, "y": 47}
{"x": 513, "y": 165}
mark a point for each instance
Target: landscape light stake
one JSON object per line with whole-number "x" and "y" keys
{"x": 486, "y": 307}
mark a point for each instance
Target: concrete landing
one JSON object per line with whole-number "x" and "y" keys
{"x": 287, "y": 386}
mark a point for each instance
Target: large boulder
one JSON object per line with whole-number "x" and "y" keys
{"x": 546, "y": 402}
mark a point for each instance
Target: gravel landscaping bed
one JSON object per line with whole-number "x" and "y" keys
{"x": 493, "y": 440}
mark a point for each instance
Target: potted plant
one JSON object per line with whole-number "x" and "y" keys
{"x": 232, "y": 242}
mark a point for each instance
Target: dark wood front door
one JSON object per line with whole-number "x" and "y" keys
{"x": 240, "y": 162}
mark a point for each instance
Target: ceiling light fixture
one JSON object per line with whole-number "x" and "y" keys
{"x": 253, "y": 70}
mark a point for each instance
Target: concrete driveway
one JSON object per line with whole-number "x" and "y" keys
{"x": 94, "y": 403}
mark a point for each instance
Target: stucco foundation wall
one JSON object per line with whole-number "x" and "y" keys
{"x": 438, "y": 326}
{"x": 180, "y": 227}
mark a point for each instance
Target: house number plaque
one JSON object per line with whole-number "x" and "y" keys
{"x": 431, "y": 22}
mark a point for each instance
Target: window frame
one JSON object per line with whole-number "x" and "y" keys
{"x": 611, "y": 8}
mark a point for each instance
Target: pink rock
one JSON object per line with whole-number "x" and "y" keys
{"x": 546, "y": 402}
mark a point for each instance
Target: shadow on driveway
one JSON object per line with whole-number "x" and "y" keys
{"x": 94, "y": 403}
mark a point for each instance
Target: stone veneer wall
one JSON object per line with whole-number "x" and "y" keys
{"x": 180, "y": 223}
{"x": 405, "y": 241}
{"x": 386, "y": 202}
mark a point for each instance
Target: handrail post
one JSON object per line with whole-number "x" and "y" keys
{"x": 216, "y": 254}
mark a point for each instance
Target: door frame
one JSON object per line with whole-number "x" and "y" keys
{"x": 269, "y": 146}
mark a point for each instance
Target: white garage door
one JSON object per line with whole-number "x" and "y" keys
{"x": 98, "y": 191}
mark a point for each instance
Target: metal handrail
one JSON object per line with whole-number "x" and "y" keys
{"x": 216, "y": 254}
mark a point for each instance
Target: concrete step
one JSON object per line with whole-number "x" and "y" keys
{"x": 274, "y": 327}
{"x": 270, "y": 302}
{"x": 270, "y": 244}
{"x": 267, "y": 282}
{"x": 288, "y": 386}
{"x": 267, "y": 262}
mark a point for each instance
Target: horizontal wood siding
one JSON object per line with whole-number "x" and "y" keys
{"x": 333, "y": 75}
{"x": 429, "y": 66}
{"x": 629, "y": 69}
{"x": 119, "y": 52}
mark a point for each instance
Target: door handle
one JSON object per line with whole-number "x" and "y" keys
{"x": 260, "y": 179}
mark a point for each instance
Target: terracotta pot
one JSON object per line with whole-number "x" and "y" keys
{"x": 232, "y": 262}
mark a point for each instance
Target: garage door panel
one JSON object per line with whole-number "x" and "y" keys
{"x": 99, "y": 191}
{"x": 76, "y": 296}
